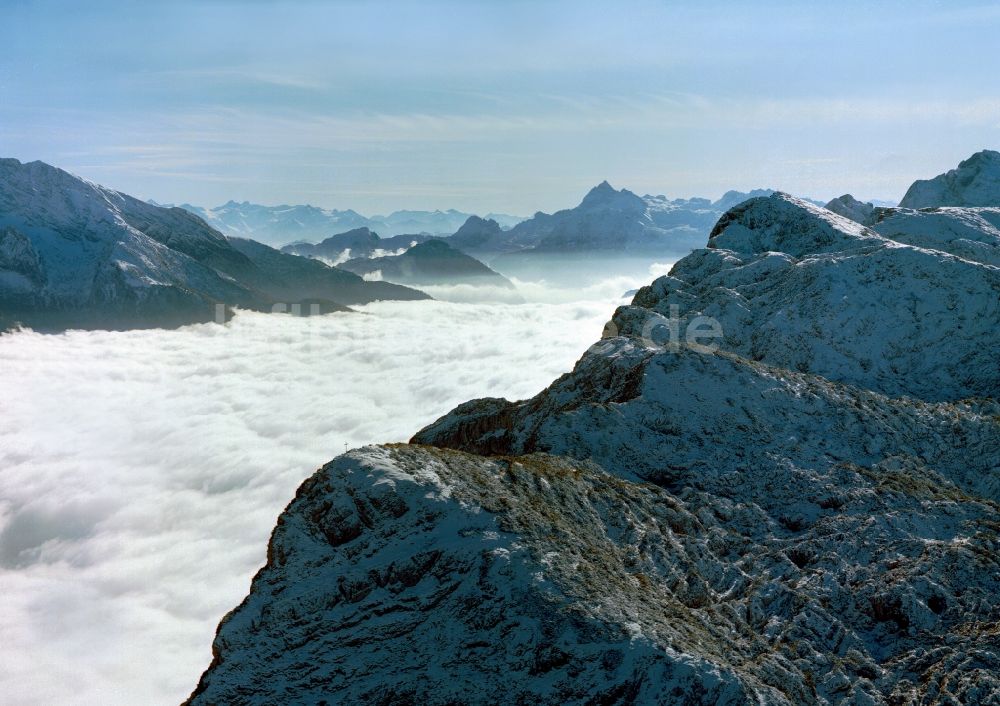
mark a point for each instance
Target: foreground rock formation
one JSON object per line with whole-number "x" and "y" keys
{"x": 802, "y": 510}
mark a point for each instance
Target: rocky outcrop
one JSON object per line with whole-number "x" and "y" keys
{"x": 801, "y": 510}
{"x": 477, "y": 581}
{"x": 975, "y": 182}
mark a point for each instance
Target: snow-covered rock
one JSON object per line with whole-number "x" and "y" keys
{"x": 799, "y": 287}
{"x": 849, "y": 207}
{"x": 975, "y": 182}
{"x": 415, "y": 575}
{"x": 968, "y": 233}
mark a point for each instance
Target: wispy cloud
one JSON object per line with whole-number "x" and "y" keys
{"x": 229, "y": 75}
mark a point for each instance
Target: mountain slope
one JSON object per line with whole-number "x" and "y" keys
{"x": 806, "y": 514}
{"x": 975, "y": 182}
{"x": 433, "y": 262}
{"x": 291, "y": 278}
{"x": 75, "y": 254}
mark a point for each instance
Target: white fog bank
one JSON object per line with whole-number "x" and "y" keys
{"x": 142, "y": 472}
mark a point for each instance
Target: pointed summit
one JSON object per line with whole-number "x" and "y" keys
{"x": 600, "y": 194}
{"x": 475, "y": 224}
{"x": 475, "y": 233}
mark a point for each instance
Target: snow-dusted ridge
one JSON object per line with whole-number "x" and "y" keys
{"x": 74, "y": 254}
{"x": 805, "y": 515}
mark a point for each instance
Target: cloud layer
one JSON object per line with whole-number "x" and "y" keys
{"x": 142, "y": 471}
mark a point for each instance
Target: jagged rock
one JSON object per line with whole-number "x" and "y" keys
{"x": 414, "y": 575}
{"x": 975, "y": 182}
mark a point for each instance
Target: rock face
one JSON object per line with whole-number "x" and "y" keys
{"x": 975, "y": 182}
{"x": 803, "y": 512}
{"x": 456, "y": 592}
{"x": 431, "y": 263}
{"x": 74, "y": 254}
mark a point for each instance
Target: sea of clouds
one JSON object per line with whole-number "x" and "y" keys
{"x": 141, "y": 472}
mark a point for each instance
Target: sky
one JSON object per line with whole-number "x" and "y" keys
{"x": 496, "y": 106}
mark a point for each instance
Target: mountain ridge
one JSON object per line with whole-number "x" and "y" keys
{"x": 75, "y": 254}
{"x": 284, "y": 224}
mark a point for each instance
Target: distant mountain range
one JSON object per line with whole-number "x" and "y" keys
{"x": 608, "y": 224}
{"x": 607, "y": 220}
{"x": 280, "y": 225}
{"x": 74, "y": 254}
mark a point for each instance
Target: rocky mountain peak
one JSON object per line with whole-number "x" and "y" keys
{"x": 478, "y": 225}
{"x": 975, "y": 182}
{"x": 606, "y": 196}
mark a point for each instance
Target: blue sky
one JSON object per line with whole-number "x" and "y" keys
{"x": 504, "y": 106}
